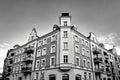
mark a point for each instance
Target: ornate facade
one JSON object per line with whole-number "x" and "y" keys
{"x": 62, "y": 54}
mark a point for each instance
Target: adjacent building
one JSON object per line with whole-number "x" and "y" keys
{"x": 62, "y": 54}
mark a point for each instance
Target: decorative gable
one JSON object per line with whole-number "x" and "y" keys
{"x": 33, "y": 35}
{"x": 92, "y": 36}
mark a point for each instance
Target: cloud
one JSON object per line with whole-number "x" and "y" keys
{"x": 3, "y": 52}
{"x": 111, "y": 40}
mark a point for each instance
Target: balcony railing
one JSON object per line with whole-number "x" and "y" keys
{"x": 96, "y": 51}
{"x": 98, "y": 60}
{"x": 99, "y": 70}
{"x": 108, "y": 72}
{"x": 26, "y": 69}
{"x": 8, "y": 73}
{"x": 29, "y": 49}
{"x": 107, "y": 64}
{"x": 65, "y": 66}
{"x": 28, "y": 59}
{"x": 9, "y": 65}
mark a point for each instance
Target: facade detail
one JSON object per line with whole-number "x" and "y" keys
{"x": 62, "y": 54}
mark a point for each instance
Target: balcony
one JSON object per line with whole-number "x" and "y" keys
{"x": 9, "y": 70}
{"x": 9, "y": 65}
{"x": 65, "y": 66}
{"x": 98, "y": 60}
{"x": 8, "y": 73}
{"x": 28, "y": 59}
{"x": 108, "y": 71}
{"x": 107, "y": 64}
{"x": 29, "y": 49}
{"x": 99, "y": 70}
{"x": 96, "y": 51}
{"x": 26, "y": 69}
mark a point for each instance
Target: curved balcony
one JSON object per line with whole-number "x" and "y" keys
{"x": 65, "y": 66}
{"x": 96, "y": 51}
{"x": 98, "y": 60}
{"x": 26, "y": 69}
{"x": 107, "y": 64}
{"x": 99, "y": 70}
{"x": 29, "y": 49}
{"x": 108, "y": 71}
{"x": 28, "y": 59}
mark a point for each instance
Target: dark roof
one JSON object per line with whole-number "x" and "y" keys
{"x": 65, "y": 14}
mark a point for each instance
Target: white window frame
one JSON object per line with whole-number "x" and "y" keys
{"x": 76, "y": 48}
{"x": 65, "y": 45}
{"x": 88, "y": 65}
{"x": 52, "y": 50}
{"x": 43, "y": 66}
{"x": 78, "y": 63}
{"x": 51, "y": 61}
{"x": 82, "y": 41}
{"x": 65, "y": 59}
{"x": 44, "y": 51}
{"x": 76, "y": 38}
{"x": 84, "y": 64}
{"x": 83, "y": 51}
{"x": 37, "y": 65}
{"x": 53, "y": 38}
{"x": 39, "y": 43}
{"x": 38, "y": 53}
{"x": 44, "y": 41}
{"x": 65, "y": 34}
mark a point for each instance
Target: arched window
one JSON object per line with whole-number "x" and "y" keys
{"x": 52, "y": 77}
{"x": 65, "y": 77}
{"x": 78, "y": 77}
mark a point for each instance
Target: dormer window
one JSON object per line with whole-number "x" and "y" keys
{"x": 65, "y": 23}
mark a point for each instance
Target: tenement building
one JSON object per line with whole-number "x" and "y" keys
{"x": 62, "y": 54}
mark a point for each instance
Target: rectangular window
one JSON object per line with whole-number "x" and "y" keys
{"x": 38, "y": 52}
{"x": 52, "y": 61}
{"x": 65, "y": 23}
{"x": 83, "y": 51}
{"x": 88, "y": 54}
{"x": 37, "y": 64}
{"x": 86, "y": 43}
{"x": 76, "y": 38}
{"x": 65, "y": 58}
{"x": 89, "y": 76}
{"x": 39, "y": 43}
{"x": 65, "y": 34}
{"x": 82, "y": 41}
{"x": 77, "y": 61}
{"x": 88, "y": 64}
{"x": 84, "y": 63}
{"x": 43, "y": 63}
{"x": 44, "y": 51}
{"x": 76, "y": 49}
{"x": 65, "y": 45}
{"x": 44, "y": 41}
{"x": 85, "y": 76}
{"x": 53, "y": 38}
{"x": 36, "y": 75}
{"x": 53, "y": 48}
